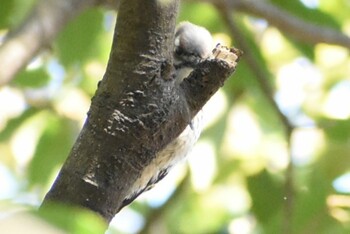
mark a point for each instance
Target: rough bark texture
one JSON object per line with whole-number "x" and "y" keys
{"x": 136, "y": 111}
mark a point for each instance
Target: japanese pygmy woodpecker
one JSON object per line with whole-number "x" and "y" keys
{"x": 192, "y": 45}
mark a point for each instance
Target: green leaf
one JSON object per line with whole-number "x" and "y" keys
{"x": 310, "y": 205}
{"x": 335, "y": 159}
{"x": 305, "y": 48}
{"x": 6, "y": 9}
{"x": 13, "y": 11}
{"x": 244, "y": 78}
{"x": 32, "y": 78}
{"x": 315, "y": 16}
{"x": 338, "y": 9}
{"x": 266, "y": 195}
{"x": 78, "y": 41}
{"x": 13, "y": 124}
{"x": 52, "y": 149}
{"x": 189, "y": 217}
{"x": 336, "y": 130}
{"x": 208, "y": 16}
{"x": 73, "y": 219}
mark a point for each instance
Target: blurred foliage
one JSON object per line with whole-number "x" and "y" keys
{"x": 33, "y": 78}
{"x": 72, "y": 220}
{"x": 79, "y": 40}
{"x": 252, "y": 177}
{"x": 12, "y": 12}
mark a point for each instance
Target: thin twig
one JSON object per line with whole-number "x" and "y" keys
{"x": 292, "y": 25}
{"x": 261, "y": 76}
{"x": 262, "y": 79}
{"x": 288, "y": 192}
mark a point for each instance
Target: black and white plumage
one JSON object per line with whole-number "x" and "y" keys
{"x": 192, "y": 45}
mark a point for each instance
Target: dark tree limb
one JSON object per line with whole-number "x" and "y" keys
{"x": 137, "y": 109}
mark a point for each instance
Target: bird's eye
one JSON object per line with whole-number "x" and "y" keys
{"x": 179, "y": 51}
{"x": 193, "y": 54}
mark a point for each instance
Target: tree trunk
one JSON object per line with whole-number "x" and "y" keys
{"x": 136, "y": 111}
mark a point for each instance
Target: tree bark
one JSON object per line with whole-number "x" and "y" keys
{"x": 137, "y": 109}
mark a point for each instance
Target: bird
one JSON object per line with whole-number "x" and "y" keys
{"x": 192, "y": 44}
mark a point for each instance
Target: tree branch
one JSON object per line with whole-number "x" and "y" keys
{"x": 286, "y": 22}
{"x": 36, "y": 32}
{"x": 137, "y": 109}
{"x": 292, "y": 25}
{"x": 261, "y": 76}
{"x": 24, "y": 43}
{"x": 262, "y": 79}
